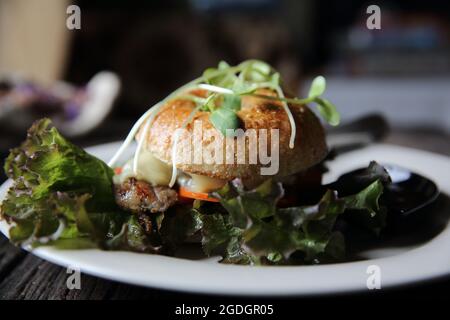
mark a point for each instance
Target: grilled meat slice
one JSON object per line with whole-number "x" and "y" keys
{"x": 140, "y": 197}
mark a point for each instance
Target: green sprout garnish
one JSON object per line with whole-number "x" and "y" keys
{"x": 227, "y": 84}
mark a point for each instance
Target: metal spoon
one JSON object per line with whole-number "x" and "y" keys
{"x": 357, "y": 133}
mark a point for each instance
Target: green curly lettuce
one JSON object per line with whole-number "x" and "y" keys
{"x": 255, "y": 231}
{"x": 63, "y": 196}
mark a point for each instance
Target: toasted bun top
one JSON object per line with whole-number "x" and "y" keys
{"x": 256, "y": 113}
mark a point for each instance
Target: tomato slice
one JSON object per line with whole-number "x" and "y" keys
{"x": 118, "y": 170}
{"x": 186, "y": 193}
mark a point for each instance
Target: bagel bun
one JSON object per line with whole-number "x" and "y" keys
{"x": 255, "y": 113}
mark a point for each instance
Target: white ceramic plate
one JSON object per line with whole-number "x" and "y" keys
{"x": 397, "y": 264}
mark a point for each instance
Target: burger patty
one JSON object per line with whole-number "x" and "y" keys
{"x": 140, "y": 197}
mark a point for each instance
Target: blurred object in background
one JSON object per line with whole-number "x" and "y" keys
{"x": 35, "y": 45}
{"x": 408, "y": 44}
{"x": 98, "y": 99}
{"x": 415, "y": 103}
{"x": 401, "y": 70}
{"x": 34, "y": 41}
{"x": 74, "y": 110}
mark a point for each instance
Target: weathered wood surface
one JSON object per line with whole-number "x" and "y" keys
{"x": 24, "y": 276}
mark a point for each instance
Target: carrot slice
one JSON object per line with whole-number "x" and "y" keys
{"x": 186, "y": 193}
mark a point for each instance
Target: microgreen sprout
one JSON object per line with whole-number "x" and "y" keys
{"x": 233, "y": 82}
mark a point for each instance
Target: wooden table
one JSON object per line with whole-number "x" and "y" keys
{"x": 24, "y": 276}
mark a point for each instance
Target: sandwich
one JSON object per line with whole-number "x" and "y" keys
{"x": 148, "y": 188}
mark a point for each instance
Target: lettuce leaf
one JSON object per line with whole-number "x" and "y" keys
{"x": 62, "y": 195}
{"x": 255, "y": 231}
{"x": 178, "y": 224}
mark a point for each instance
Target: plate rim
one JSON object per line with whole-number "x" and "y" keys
{"x": 61, "y": 257}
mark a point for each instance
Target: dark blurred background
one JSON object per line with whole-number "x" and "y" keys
{"x": 401, "y": 71}
{"x": 155, "y": 46}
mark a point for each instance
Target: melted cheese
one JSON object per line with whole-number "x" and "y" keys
{"x": 149, "y": 168}
{"x": 158, "y": 173}
{"x": 205, "y": 184}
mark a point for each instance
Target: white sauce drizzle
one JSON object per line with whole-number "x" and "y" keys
{"x": 217, "y": 89}
{"x": 152, "y": 113}
{"x": 129, "y": 137}
{"x": 174, "y": 146}
{"x": 290, "y": 116}
{"x": 142, "y": 141}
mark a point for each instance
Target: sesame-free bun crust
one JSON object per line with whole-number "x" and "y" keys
{"x": 256, "y": 113}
